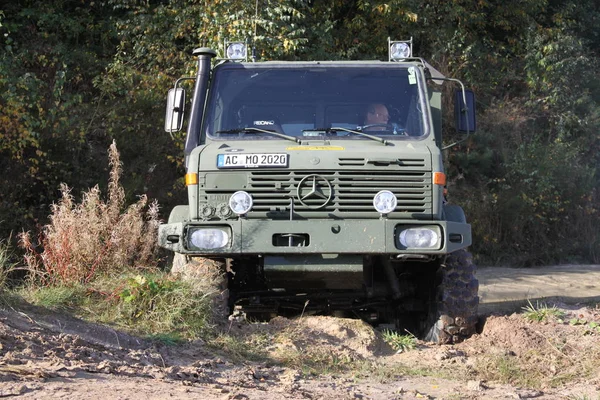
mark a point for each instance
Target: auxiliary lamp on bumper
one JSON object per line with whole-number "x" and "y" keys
{"x": 419, "y": 237}
{"x": 208, "y": 238}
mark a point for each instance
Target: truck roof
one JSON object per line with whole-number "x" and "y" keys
{"x": 411, "y": 62}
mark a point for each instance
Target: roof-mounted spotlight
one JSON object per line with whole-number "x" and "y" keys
{"x": 400, "y": 49}
{"x": 237, "y": 51}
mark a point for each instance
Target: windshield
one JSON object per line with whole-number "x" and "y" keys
{"x": 316, "y": 100}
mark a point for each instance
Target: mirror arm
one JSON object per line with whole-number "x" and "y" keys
{"x": 185, "y": 78}
{"x": 466, "y": 109}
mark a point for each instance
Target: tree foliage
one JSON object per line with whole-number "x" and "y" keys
{"x": 50, "y": 55}
{"x": 74, "y": 76}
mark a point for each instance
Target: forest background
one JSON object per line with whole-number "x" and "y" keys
{"x": 77, "y": 74}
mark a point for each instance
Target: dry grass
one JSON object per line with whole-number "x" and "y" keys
{"x": 7, "y": 264}
{"x": 551, "y": 352}
{"x": 94, "y": 236}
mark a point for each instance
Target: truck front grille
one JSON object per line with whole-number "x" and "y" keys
{"x": 352, "y": 195}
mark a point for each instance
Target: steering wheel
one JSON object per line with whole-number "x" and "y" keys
{"x": 394, "y": 128}
{"x": 372, "y": 127}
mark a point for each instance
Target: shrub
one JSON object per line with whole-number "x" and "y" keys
{"x": 93, "y": 236}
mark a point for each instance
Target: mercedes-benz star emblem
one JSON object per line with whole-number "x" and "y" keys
{"x": 314, "y": 191}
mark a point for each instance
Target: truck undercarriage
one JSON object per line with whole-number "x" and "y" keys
{"x": 408, "y": 296}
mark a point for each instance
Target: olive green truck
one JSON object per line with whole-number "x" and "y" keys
{"x": 306, "y": 206}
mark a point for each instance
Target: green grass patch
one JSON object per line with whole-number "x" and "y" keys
{"x": 399, "y": 342}
{"x": 169, "y": 339}
{"x": 507, "y": 369}
{"x": 318, "y": 361}
{"x": 156, "y": 305}
{"x": 54, "y": 297}
{"x": 251, "y": 347}
{"x": 541, "y": 312}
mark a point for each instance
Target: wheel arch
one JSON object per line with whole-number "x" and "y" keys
{"x": 179, "y": 213}
{"x": 454, "y": 213}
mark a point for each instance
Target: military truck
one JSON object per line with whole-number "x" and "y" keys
{"x": 303, "y": 206}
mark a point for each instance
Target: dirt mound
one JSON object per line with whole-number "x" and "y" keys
{"x": 507, "y": 335}
{"x": 574, "y": 329}
{"x": 348, "y": 336}
{"x": 328, "y": 339}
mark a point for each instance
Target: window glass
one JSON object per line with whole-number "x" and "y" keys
{"x": 315, "y": 99}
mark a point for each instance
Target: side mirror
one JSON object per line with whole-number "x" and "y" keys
{"x": 175, "y": 110}
{"x": 464, "y": 111}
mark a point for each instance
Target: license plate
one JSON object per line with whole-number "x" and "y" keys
{"x": 255, "y": 160}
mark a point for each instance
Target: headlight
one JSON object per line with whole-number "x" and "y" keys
{"x": 208, "y": 238}
{"x": 385, "y": 202}
{"x": 424, "y": 238}
{"x": 240, "y": 202}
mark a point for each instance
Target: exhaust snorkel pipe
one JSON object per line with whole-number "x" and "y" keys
{"x": 205, "y": 56}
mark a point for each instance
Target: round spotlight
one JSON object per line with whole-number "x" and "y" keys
{"x": 399, "y": 51}
{"x": 385, "y": 202}
{"x": 237, "y": 51}
{"x": 240, "y": 202}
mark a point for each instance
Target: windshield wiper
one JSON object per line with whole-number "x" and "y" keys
{"x": 334, "y": 129}
{"x": 256, "y": 130}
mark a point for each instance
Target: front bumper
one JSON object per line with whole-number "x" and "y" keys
{"x": 264, "y": 237}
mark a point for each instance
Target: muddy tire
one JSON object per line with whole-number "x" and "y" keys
{"x": 208, "y": 276}
{"x": 452, "y": 314}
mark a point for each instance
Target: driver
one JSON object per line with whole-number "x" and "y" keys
{"x": 378, "y": 115}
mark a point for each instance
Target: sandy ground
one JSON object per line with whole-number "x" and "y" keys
{"x": 504, "y": 289}
{"x": 49, "y": 355}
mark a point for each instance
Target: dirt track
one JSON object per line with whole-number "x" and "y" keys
{"x": 507, "y": 289}
{"x": 47, "y": 355}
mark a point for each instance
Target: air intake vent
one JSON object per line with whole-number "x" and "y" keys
{"x": 411, "y": 162}
{"x": 399, "y": 162}
{"x": 351, "y": 162}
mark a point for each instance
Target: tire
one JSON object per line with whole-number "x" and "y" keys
{"x": 452, "y": 315}
{"x": 454, "y": 213}
{"x": 208, "y": 276}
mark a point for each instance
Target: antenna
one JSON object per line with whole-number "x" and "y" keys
{"x": 254, "y": 38}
